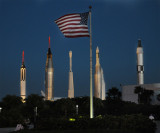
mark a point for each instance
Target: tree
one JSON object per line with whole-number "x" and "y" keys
{"x": 98, "y": 106}
{"x": 138, "y": 90}
{"x": 11, "y": 101}
{"x": 113, "y": 94}
{"x": 11, "y": 111}
{"x": 65, "y": 107}
{"x": 33, "y": 101}
{"x": 158, "y": 97}
{"x": 144, "y": 96}
{"x": 83, "y": 104}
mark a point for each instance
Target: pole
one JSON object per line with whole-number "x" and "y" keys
{"x": 76, "y": 109}
{"x": 35, "y": 116}
{"x": 91, "y": 94}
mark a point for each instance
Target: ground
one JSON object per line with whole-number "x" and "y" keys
{"x": 8, "y": 130}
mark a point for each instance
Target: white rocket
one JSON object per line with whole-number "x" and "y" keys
{"x": 99, "y": 83}
{"x": 140, "y": 66}
{"x": 49, "y": 71}
{"x": 103, "y": 86}
{"x": 23, "y": 79}
{"x": 71, "y": 84}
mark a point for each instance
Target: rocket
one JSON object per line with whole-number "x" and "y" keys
{"x": 49, "y": 71}
{"x": 140, "y": 66}
{"x": 99, "y": 83}
{"x": 97, "y": 76}
{"x": 103, "y": 86}
{"x": 23, "y": 79}
{"x": 71, "y": 84}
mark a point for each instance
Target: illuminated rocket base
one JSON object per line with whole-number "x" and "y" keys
{"x": 71, "y": 86}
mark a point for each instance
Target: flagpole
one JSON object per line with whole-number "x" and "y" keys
{"x": 91, "y": 93}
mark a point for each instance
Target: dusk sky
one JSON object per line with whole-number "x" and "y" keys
{"x": 116, "y": 27}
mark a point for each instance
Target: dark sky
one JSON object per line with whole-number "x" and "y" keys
{"x": 116, "y": 24}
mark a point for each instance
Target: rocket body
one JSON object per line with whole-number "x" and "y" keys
{"x": 49, "y": 71}
{"x": 23, "y": 79}
{"x": 103, "y": 85}
{"x": 140, "y": 66}
{"x": 71, "y": 83}
{"x": 99, "y": 83}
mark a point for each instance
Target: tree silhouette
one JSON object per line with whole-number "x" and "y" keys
{"x": 33, "y": 101}
{"x": 113, "y": 94}
{"x": 158, "y": 97}
{"x": 11, "y": 101}
{"x": 138, "y": 90}
{"x": 11, "y": 111}
{"x": 65, "y": 107}
{"x": 144, "y": 96}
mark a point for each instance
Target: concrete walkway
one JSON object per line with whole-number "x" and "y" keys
{"x": 158, "y": 126}
{"x": 11, "y": 129}
{"x": 7, "y": 130}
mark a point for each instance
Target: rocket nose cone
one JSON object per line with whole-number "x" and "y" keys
{"x": 139, "y": 43}
{"x": 49, "y": 51}
{"x": 23, "y": 66}
{"x": 97, "y": 50}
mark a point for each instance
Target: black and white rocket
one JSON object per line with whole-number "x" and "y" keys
{"x": 71, "y": 83}
{"x": 49, "y": 71}
{"x": 99, "y": 83}
{"x": 23, "y": 79}
{"x": 140, "y": 66}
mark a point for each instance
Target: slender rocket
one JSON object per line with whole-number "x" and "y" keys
{"x": 23, "y": 79}
{"x": 99, "y": 83}
{"x": 140, "y": 66}
{"x": 49, "y": 71}
{"x": 71, "y": 84}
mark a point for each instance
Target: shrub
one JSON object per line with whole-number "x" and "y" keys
{"x": 137, "y": 123}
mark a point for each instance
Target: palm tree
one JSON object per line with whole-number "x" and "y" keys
{"x": 158, "y": 97}
{"x": 144, "y": 96}
{"x": 113, "y": 93}
{"x": 138, "y": 90}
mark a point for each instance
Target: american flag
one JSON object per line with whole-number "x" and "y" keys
{"x": 74, "y": 25}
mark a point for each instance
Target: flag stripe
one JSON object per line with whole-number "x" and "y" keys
{"x": 73, "y": 25}
{"x": 75, "y": 20}
{"x": 69, "y": 19}
{"x": 73, "y": 28}
{"x": 73, "y": 34}
{"x": 66, "y": 16}
{"x": 76, "y": 36}
{"x": 68, "y": 32}
{"x": 69, "y": 23}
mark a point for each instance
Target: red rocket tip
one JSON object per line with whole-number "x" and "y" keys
{"x": 23, "y": 57}
{"x": 49, "y": 40}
